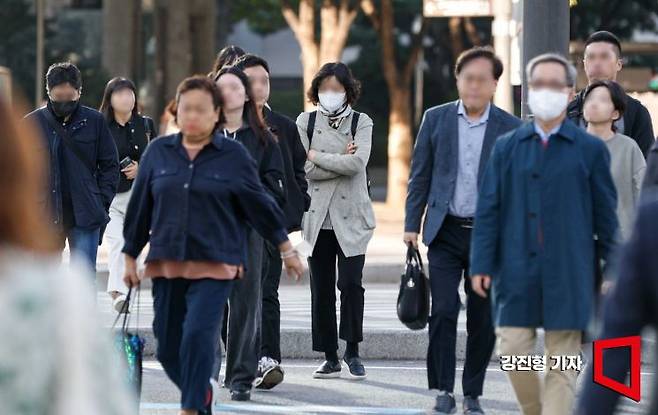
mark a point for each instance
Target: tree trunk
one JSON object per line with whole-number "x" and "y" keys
{"x": 399, "y": 145}
{"x": 120, "y": 47}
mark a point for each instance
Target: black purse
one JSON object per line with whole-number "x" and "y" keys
{"x": 130, "y": 346}
{"x": 413, "y": 304}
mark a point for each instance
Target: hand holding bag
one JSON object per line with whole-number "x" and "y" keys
{"x": 413, "y": 303}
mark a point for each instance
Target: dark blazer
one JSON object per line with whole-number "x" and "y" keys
{"x": 630, "y": 307}
{"x": 91, "y": 192}
{"x": 537, "y": 214}
{"x": 637, "y": 121}
{"x": 197, "y": 210}
{"x": 294, "y": 157}
{"x": 434, "y": 164}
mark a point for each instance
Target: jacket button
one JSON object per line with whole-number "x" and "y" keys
{"x": 532, "y": 215}
{"x": 344, "y": 217}
{"x": 343, "y": 197}
{"x": 312, "y": 211}
{"x": 186, "y": 185}
{"x": 535, "y": 176}
{"x": 191, "y": 166}
{"x": 533, "y": 254}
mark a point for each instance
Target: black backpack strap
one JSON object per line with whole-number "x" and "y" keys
{"x": 147, "y": 129}
{"x": 355, "y": 122}
{"x": 310, "y": 127}
{"x": 67, "y": 140}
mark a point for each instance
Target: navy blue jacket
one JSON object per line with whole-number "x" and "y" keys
{"x": 91, "y": 192}
{"x": 538, "y": 212}
{"x": 434, "y": 164}
{"x": 198, "y": 210}
{"x": 631, "y": 306}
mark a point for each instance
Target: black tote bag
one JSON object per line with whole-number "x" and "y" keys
{"x": 413, "y": 305}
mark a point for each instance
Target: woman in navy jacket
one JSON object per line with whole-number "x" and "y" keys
{"x": 194, "y": 195}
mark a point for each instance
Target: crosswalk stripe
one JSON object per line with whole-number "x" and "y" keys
{"x": 296, "y": 409}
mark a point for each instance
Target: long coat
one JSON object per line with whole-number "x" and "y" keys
{"x": 539, "y": 211}
{"x": 338, "y": 183}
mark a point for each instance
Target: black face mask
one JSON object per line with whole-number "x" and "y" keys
{"x": 63, "y": 109}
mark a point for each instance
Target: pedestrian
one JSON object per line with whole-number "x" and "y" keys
{"x": 444, "y": 183}
{"x": 56, "y": 358}
{"x": 195, "y": 194}
{"x": 628, "y": 309}
{"x": 603, "y": 104}
{"x": 297, "y": 202}
{"x": 83, "y": 161}
{"x": 547, "y": 193}
{"x": 602, "y": 62}
{"x": 131, "y": 132}
{"x": 241, "y": 121}
{"x": 340, "y": 221}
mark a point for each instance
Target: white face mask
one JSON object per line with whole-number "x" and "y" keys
{"x": 332, "y": 101}
{"x": 546, "y": 104}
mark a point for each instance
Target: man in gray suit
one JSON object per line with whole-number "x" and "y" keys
{"x": 452, "y": 148}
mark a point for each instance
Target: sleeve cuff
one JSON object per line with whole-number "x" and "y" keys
{"x": 279, "y": 237}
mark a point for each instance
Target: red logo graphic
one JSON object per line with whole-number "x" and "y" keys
{"x": 634, "y": 342}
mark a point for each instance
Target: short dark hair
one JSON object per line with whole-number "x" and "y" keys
{"x": 250, "y": 60}
{"x": 227, "y": 56}
{"x": 485, "y": 52}
{"x": 202, "y": 83}
{"x": 63, "y": 73}
{"x": 114, "y": 85}
{"x": 617, "y": 94}
{"x": 605, "y": 36}
{"x": 344, "y": 75}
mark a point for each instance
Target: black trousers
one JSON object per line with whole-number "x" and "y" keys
{"x": 271, "y": 314}
{"x": 323, "y": 293}
{"x": 448, "y": 258}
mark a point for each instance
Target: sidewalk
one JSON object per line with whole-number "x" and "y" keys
{"x": 384, "y": 336}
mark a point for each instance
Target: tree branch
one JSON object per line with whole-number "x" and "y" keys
{"x": 290, "y": 16}
{"x": 369, "y": 9}
{"x": 416, "y": 47}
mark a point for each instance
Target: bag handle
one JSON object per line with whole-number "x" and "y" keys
{"x": 126, "y": 316}
{"x": 413, "y": 254}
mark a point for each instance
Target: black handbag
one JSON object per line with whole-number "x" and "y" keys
{"x": 130, "y": 346}
{"x": 413, "y": 304}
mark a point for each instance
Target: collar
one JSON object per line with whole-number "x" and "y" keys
{"x": 176, "y": 140}
{"x": 461, "y": 110}
{"x": 567, "y": 130}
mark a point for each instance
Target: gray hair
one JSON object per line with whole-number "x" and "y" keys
{"x": 553, "y": 57}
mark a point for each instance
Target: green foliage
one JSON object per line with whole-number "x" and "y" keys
{"x": 622, "y": 17}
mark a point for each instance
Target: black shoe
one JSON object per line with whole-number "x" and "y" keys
{"x": 327, "y": 370}
{"x": 269, "y": 374}
{"x": 356, "y": 369}
{"x": 445, "y": 404}
{"x": 472, "y": 406}
{"x": 240, "y": 395}
{"x": 212, "y": 398}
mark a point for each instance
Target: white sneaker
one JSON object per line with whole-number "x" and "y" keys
{"x": 269, "y": 373}
{"x": 120, "y": 305}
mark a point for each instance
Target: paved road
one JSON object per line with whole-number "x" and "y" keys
{"x": 392, "y": 387}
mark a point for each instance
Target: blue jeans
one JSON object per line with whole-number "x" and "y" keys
{"x": 83, "y": 244}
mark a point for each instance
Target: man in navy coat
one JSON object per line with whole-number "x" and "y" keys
{"x": 547, "y": 196}
{"x": 452, "y": 148}
{"x": 84, "y": 167}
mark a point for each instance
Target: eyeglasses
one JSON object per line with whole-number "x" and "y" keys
{"x": 553, "y": 86}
